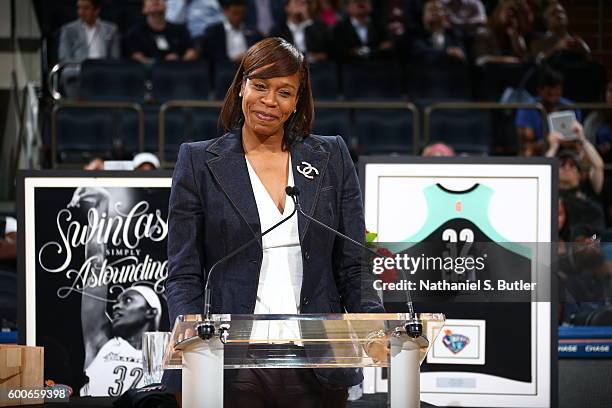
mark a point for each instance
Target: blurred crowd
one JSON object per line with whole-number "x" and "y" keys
{"x": 513, "y": 31}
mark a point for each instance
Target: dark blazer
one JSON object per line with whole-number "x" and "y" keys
{"x": 213, "y": 211}
{"x": 422, "y": 49}
{"x": 212, "y": 43}
{"x": 276, "y": 7}
{"x": 346, "y": 39}
{"x": 317, "y": 36}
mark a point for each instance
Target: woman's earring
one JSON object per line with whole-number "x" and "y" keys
{"x": 240, "y": 94}
{"x": 295, "y": 110}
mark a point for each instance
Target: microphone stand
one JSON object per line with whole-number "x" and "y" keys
{"x": 206, "y": 329}
{"x": 414, "y": 326}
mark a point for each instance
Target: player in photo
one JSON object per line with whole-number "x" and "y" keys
{"x": 113, "y": 355}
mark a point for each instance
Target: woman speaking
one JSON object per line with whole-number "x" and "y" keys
{"x": 228, "y": 190}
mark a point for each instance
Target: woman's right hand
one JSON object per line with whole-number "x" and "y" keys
{"x": 188, "y": 333}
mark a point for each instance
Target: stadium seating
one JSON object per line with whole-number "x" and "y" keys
{"x": 187, "y": 125}
{"x": 332, "y": 122}
{"x": 384, "y": 131}
{"x": 84, "y": 133}
{"x": 180, "y": 80}
{"x": 371, "y": 81}
{"x": 490, "y": 80}
{"x": 112, "y": 80}
{"x": 467, "y": 131}
{"x": 324, "y": 79}
{"x": 223, "y": 76}
{"x": 447, "y": 81}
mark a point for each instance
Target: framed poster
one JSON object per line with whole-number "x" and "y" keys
{"x": 493, "y": 352}
{"x": 92, "y": 266}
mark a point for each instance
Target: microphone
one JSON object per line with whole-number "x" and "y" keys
{"x": 206, "y": 330}
{"x": 414, "y": 327}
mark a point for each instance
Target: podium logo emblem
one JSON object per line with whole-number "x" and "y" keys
{"x": 307, "y": 170}
{"x": 455, "y": 342}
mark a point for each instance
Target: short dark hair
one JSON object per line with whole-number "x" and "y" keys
{"x": 281, "y": 59}
{"x": 548, "y": 77}
{"x": 229, "y": 3}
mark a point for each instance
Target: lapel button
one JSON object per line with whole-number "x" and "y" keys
{"x": 305, "y": 301}
{"x": 306, "y": 255}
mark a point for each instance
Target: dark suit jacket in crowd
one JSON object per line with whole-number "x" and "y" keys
{"x": 317, "y": 36}
{"x": 276, "y": 6}
{"x": 346, "y": 39}
{"x": 422, "y": 49}
{"x": 212, "y": 211}
{"x": 213, "y": 46}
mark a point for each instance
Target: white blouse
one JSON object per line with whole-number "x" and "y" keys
{"x": 280, "y": 278}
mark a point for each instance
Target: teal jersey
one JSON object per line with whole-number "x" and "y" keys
{"x": 471, "y": 205}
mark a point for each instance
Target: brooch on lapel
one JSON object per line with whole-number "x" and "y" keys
{"x": 307, "y": 170}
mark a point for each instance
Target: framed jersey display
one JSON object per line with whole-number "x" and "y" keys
{"x": 92, "y": 267}
{"x": 496, "y": 349}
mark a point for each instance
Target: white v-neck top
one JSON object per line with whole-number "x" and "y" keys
{"x": 280, "y": 277}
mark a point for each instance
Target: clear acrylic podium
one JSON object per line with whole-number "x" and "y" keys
{"x": 299, "y": 341}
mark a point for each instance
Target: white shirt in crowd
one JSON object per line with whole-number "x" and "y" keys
{"x": 438, "y": 40}
{"x": 235, "y": 41}
{"x": 362, "y": 31}
{"x": 95, "y": 42}
{"x": 298, "y": 30}
{"x": 280, "y": 278}
{"x": 197, "y": 14}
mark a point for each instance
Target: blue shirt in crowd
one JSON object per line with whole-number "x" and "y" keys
{"x": 532, "y": 118}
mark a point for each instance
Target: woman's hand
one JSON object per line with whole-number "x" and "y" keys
{"x": 578, "y": 131}
{"x": 190, "y": 332}
{"x": 377, "y": 346}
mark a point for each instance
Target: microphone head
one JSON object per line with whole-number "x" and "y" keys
{"x": 292, "y": 191}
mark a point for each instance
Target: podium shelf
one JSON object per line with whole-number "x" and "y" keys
{"x": 302, "y": 340}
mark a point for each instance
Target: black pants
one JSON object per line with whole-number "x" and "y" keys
{"x": 280, "y": 388}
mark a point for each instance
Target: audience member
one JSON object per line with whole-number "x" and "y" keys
{"x": 228, "y": 40}
{"x": 86, "y": 38}
{"x": 95, "y": 164}
{"x": 357, "y": 36}
{"x": 262, "y": 15}
{"x": 327, "y": 11}
{"x": 557, "y": 37}
{"x": 570, "y": 162}
{"x": 8, "y": 243}
{"x": 466, "y": 15}
{"x": 598, "y": 127}
{"x": 141, "y": 162}
{"x": 196, "y": 14}
{"x": 529, "y": 123}
{"x": 158, "y": 39}
{"x": 309, "y": 35}
{"x": 392, "y": 14}
{"x": 438, "y": 149}
{"x": 578, "y": 189}
{"x": 503, "y": 40}
{"x": 145, "y": 162}
{"x": 437, "y": 40}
